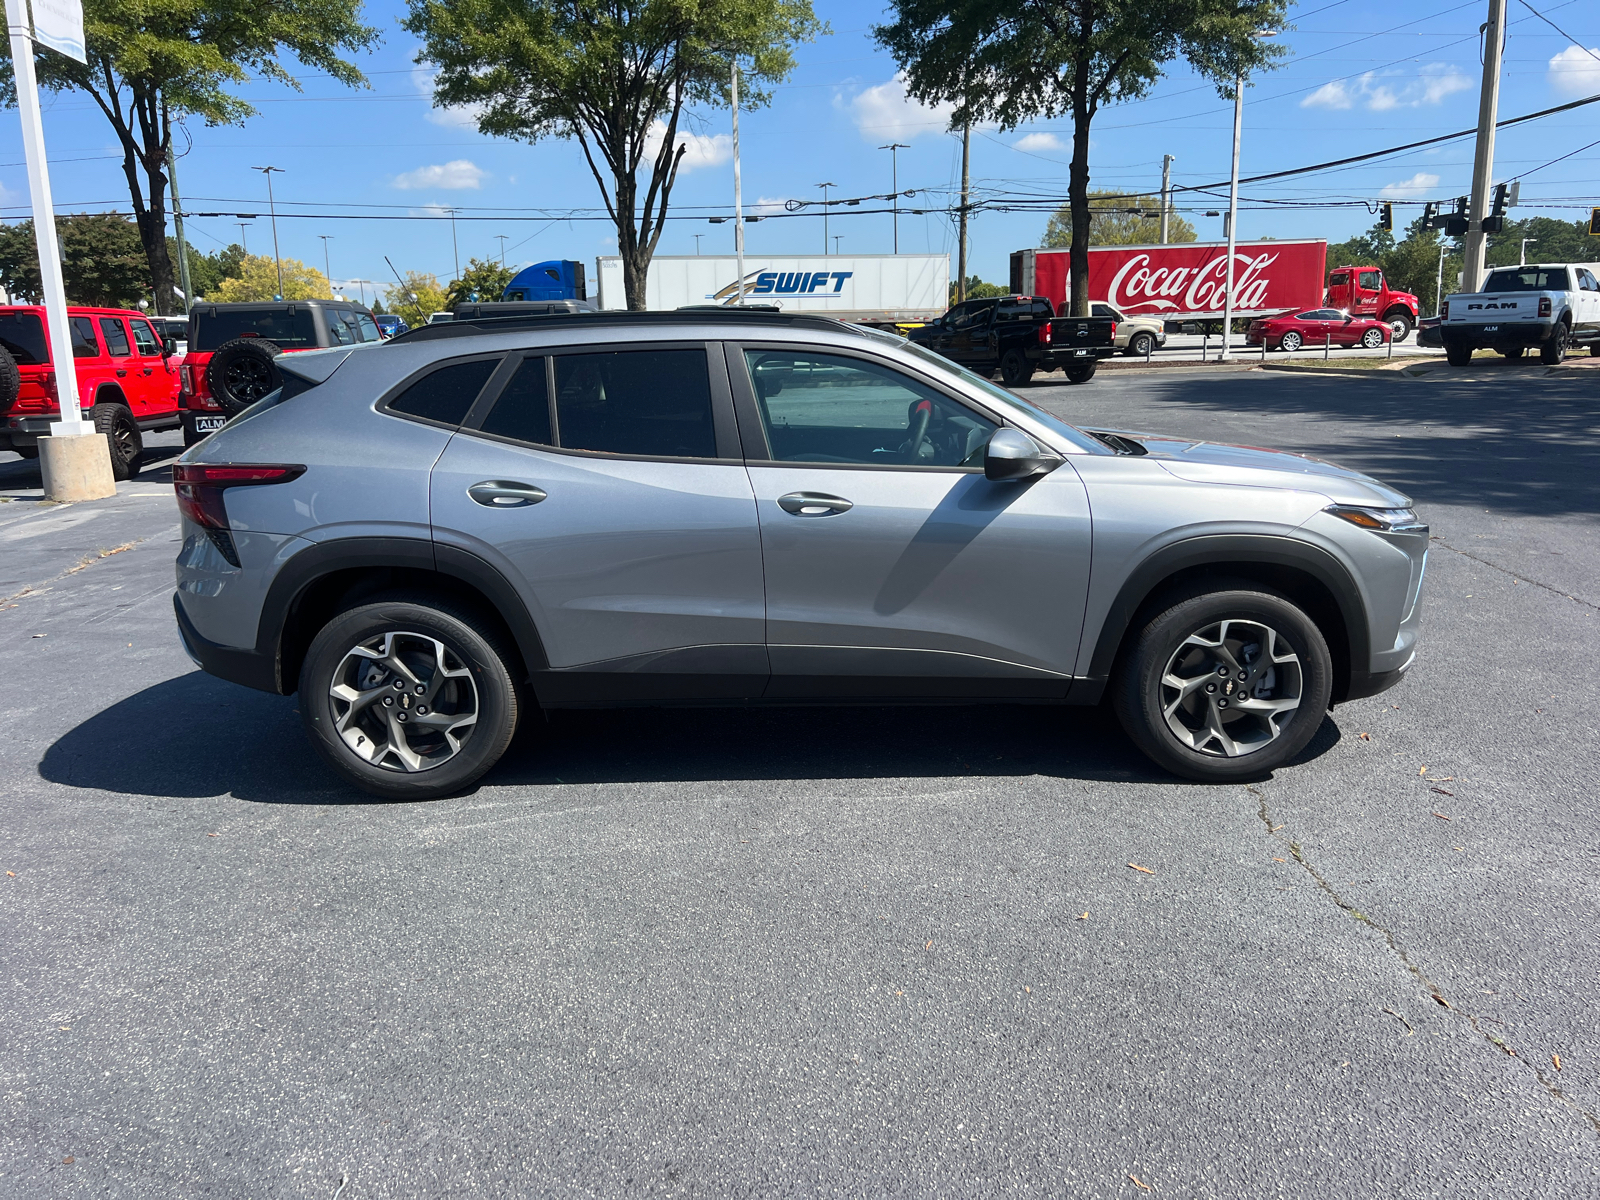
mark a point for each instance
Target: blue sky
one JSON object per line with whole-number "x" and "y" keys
{"x": 1361, "y": 75}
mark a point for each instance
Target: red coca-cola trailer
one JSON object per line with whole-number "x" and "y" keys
{"x": 1183, "y": 281}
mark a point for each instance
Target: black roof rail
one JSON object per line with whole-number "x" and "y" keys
{"x": 475, "y": 326}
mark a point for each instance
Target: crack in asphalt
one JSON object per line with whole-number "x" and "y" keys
{"x": 1399, "y": 952}
{"x": 1522, "y": 578}
{"x": 83, "y": 564}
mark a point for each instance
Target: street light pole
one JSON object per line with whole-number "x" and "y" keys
{"x": 272, "y": 207}
{"x": 825, "y": 187}
{"x": 1233, "y": 212}
{"x": 1522, "y": 254}
{"x": 326, "y": 265}
{"x": 894, "y": 149}
{"x": 738, "y": 195}
{"x": 244, "y": 243}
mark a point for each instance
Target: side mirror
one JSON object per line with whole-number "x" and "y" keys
{"x": 1012, "y": 455}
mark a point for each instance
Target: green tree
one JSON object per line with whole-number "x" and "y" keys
{"x": 207, "y": 271}
{"x": 615, "y": 76}
{"x": 977, "y": 289}
{"x": 102, "y": 261}
{"x": 151, "y": 65}
{"x": 1014, "y": 61}
{"x": 420, "y": 298}
{"x": 484, "y": 279}
{"x": 1118, "y": 220}
{"x": 258, "y": 280}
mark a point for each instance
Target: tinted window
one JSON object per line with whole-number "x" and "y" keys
{"x": 1527, "y": 279}
{"x": 144, "y": 337}
{"x": 445, "y": 395}
{"x": 83, "y": 343}
{"x": 831, "y": 409}
{"x": 1009, "y": 311}
{"x": 1102, "y": 310}
{"x": 973, "y": 317}
{"x": 116, "y": 335}
{"x": 287, "y": 329}
{"x": 22, "y": 334}
{"x": 523, "y": 409}
{"x": 649, "y": 402}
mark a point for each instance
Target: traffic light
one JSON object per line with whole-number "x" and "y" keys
{"x": 1594, "y": 223}
{"x": 1430, "y": 215}
{"x": 1496, "y": 220}
{"x": 1386, "y": 217}
{"x": 1457, "y": 224}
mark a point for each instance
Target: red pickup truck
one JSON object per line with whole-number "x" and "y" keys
{"x": 125, "y": 380}
{"x": 1364, "y": 292}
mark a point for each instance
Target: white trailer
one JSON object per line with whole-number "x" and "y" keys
{"x": 852, "y": 287}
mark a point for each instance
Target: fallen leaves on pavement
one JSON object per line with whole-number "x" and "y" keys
{"x": 1137, "y": 867}
{"x": 1139, "y": 1182}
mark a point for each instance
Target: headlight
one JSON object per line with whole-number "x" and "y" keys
{"x": 1380, "y": 520}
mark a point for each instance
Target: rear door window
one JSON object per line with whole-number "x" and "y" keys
{"x": 295, "y": 330}
{"x": 84, "y": 344}
{"x": 116, "y": 335}
{"x": 22, "y": 334}
{"x": 649, "y": 403}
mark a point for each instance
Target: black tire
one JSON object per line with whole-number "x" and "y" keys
{"x": 1015, "y": 369}
{"x": 191, "y": 435}
{"x": 1290, "y": 342}
{"x": 1140, "y": 344}
{"x": 1082, "y": 372}
{"x": 414, "y": 620}
{"x": 1554, "y": 349}
{"x": 1594, "y": 349}
{"x": 28, "y": 452}
{"x": 1514, "y": 351}
{"x": 242, "y": 371}
{"x": 10, "y": 378}
{"x": 1458, "y": 356}
{"x": 122, "y": 438}
{"x": 1400, "y": 325}
{"x": 1140, "y": 693}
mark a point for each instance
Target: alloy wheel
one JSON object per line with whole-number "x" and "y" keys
{"x": 1230, "y": 688}
{"x": 248, "y": 379}
{"x": 1290, "y": 342}
{"x": 404, "y": 701}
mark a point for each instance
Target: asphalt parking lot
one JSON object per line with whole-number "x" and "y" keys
{"x": 854, "y": 952}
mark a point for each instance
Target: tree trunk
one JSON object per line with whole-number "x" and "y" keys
{"x": 1078, "y": 182}
{"x": 153, "y": 233}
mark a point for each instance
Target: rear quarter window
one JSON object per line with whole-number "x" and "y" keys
{"x": 22, "y": 334}
{"x": 295, "y": 330}
{"x": 446, "y": 394}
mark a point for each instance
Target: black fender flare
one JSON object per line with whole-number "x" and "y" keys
{"x": 321, "y": 559}
{"x": 1221, "y": 550}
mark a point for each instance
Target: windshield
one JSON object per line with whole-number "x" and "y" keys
{"x": 1527, "y": 279}
{"x": 999, "y": 395}
{"x": 295, "y": 330}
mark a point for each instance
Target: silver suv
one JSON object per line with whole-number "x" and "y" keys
{"x": 431, "y": 536}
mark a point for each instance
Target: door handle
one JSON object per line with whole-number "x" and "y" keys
{"x": 814, "y": 504}
{"x": 500, "y": 493}
{"x": 120, "y": 372}
{"x": 147, "y": 370}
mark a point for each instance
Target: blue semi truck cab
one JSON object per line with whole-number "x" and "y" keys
{"x": 558, "y": 279}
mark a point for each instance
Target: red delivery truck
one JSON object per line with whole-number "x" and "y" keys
{"x": 1184, "y": 281}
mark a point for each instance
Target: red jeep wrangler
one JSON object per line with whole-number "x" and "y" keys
{"x": 125, "y": 380}
{"x": 229, "y": 364}
{"x": 1364, "y": 292}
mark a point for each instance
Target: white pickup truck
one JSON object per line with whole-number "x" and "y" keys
{"x": 1552, "y": 306}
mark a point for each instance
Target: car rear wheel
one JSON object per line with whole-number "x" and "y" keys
{"x": 1290, "y": 342}
{"x": 409, "y": 698}
{"x": 1082, "y": 372}
{"x": 1015, "y": 369}
{"x": 1372, "y": 339}
{"x": 1225, "y": 685}
{"x": 122, "y": 437}
{"x": 242, "y": 371}
{"x": 1554, "y": 349}
{"x": 1458, "y": 356}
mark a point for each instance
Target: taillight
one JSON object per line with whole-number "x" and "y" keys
{"x": 1044, "y": 333}
{"x": 1544, "y": 306}
{"x": 194, "y": 378}
{"x": 1113, "y": 331}
{"x": 200, "y": 485}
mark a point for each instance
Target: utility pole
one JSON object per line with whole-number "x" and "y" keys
{"x": 894, "y": 149}
{"x": 272, "y": 207}
{"x": 177, "y": 225}
{"x": 825, "y": 187}
{"x": 325, "y": 262}
{"x": 738, "y": 195}
{"x": 1483, "y": 156}
{"x": 1233, "y": 212}
{"x": 1166, "y": 196}
{"x": 1438, "y": 287}
{"x": 966, "y": 186}
{"x": 502, "y": 239}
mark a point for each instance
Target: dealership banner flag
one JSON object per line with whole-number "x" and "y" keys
{"x": 59, "y": 25}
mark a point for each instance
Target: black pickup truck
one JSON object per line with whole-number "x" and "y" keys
{"x": 1018, "y": 335}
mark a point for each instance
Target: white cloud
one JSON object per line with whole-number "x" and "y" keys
{"x": 1410, "y": 189}
{"x": 462, "y": 117}
{"x": 886, "y": 114}
{"x": 1378, "y": 93}
{"x": 1576, "y": 71}
{"x": 452, "y": 176}
{"x": 699, "y": 149}
{"x": 1035, "y": 142}
{"x": 767, "y": 204}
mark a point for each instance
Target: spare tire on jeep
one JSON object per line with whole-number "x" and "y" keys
{"x": 242, "y": 371}
{"x": 10, "y": 378}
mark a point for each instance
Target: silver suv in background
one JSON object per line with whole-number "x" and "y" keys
{"x": 430, "y": 536}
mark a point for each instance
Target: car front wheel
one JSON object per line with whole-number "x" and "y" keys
{"x": 1372, "y": 339}
{"x": 1225, "y": 686}
{"x": 408, "y": 698}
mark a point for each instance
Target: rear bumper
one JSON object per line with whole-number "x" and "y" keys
{"x": 1052, "y": 359}
{"x": 225, "y": 662}
{"x": 1492, "y": 335}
